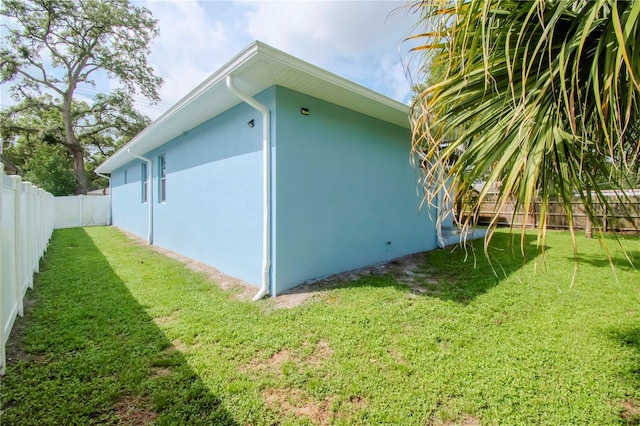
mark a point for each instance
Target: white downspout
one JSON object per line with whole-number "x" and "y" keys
{"x": 149, "y": 192}
{"x": 109, "y": 196}
{"x": 266, "y": 186}
{"x": 439, "y": 200}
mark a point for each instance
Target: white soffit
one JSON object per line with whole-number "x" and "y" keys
{"x": 255, "y": 69}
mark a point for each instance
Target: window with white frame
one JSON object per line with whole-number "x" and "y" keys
{"x": 144, "y": 178}
{"x": 162, "y": 181}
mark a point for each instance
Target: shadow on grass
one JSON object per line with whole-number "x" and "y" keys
{"x": 619, "y": 260}
{"x": 461, "y": 274}
{"x": 88, "y": 353}
{"x": 458, "y": 274}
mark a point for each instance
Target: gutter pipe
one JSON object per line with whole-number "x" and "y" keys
{"x": 439, "y": 200}
{"x": 266, "y": 186}
{"x": 109, "y": 211}
{"x": 149, "y": 192}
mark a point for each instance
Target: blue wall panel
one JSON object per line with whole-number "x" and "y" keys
{"x": 213, "y": 208}
{"x": 128, "y": 211}
{"x": 342, "y": 190}
{"x": 347, "y": 193}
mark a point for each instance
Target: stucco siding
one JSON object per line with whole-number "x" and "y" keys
{"x": 213, "y": 207}
{"x": 128, "y": 211}
{"x": 346, "y": 191}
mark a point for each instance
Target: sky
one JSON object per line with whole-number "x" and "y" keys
{"x": 362, "y": 41}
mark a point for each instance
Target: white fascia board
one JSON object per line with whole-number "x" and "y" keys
{"x": 329, "y": 77}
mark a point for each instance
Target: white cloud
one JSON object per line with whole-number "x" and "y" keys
{"x": 391, "y": 77}
{"x": 188, "y": 35}
{"x": 192, "y": 44}
{"x": 323, "y": 31}
{"x": 359, "y": 40}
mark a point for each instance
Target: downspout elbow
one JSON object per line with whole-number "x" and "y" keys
{"x": 264, "y": 288}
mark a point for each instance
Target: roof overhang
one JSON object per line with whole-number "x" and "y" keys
{"x": 255, "y": 69}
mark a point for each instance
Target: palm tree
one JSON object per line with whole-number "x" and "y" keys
{"x": 544, "y": 93}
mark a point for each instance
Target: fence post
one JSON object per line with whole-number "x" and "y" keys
{"x": 37, "y": 208}
{"x": 41, "y": 195}
{"x": 30, "y": 235}
{"x": 50, "y": 218}
{"x": 17, "y": 186}
{"x": 36, "y": 233}
{"x": 3, "y": 355}
{"x": 80, "y": 210}
{"x": 31, "y": 228}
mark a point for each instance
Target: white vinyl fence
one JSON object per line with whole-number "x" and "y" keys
{"x": 26, "y": 219}
{"x": 80, "y": 210}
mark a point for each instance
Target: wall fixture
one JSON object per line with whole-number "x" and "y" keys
{"x": 251, "y": 123}
{"x": 304, "y": 111}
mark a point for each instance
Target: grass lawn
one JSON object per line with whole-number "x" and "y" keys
{"x": 120, "y": 334}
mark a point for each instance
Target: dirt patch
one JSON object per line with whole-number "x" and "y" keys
{"x": 161, "y": 372}
{"x": 295, "y": 402}
{"x": 358, "y": 402}
{"x": 179, "y": 345}
{"x": 321, "y": 353}
{"x": 15, "y": 348}
{"x": 630, "y": 412}
{"x": 463, "y": 421}
{"x": 350, "y": 408}
{"x": 134, "y": 410}
{"x": 406, "y": 269}
{"x": 167, "y": 318}
{"x": 271, "y": 363}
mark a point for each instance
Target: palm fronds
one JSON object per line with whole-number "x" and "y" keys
{"x": 542, "y": 95}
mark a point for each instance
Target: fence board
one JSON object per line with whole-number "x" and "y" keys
{"x": 80, "y": 210}
{"x": 622, "y": 216}
{"x": 27, "y": 218}
{"x": 8, "y": 232}
{"x": 26, "y": 225}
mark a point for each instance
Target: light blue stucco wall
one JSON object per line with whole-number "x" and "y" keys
{"x": 345, "y": 190}
{"x": 342, "y": 189}
{"x": 213, "y": 211}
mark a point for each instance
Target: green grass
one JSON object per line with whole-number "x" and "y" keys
{"x": 119, "y": 334}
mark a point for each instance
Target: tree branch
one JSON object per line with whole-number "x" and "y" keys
{"x": 41, "y": 81}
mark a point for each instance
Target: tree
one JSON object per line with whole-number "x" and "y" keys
{"x": 51, "y": 169}
{"x": 545, "y": 95}
{"x": 25, "y": 132}
{"x": 52, "y": 47}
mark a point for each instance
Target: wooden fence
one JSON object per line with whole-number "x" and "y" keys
{"x": 26, "y": 219}
{"x": 623, "y": 215}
